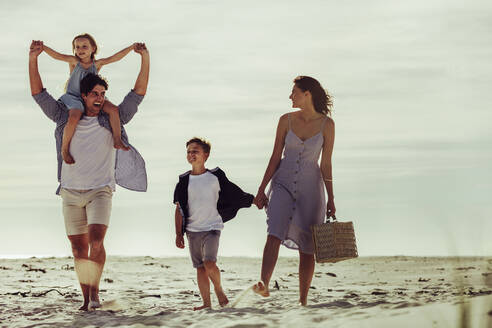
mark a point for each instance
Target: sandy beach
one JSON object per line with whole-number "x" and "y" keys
{"x": 160, "y": 292}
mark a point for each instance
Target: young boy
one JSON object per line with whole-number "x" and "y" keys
{"x": 205, "y": 199}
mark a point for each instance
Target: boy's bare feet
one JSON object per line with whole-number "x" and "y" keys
{"x": 221, "y": 296}
{"x": 197, "y": 308}
{"x": 260, "y": 289}
{"x": 67, "y": 157}
{"x": 118, "y": 144}
{"x": 84, "y": 307}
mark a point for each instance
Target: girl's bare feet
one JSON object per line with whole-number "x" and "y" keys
{"x": 118, "y": 144}
{"x": 67, "y": 157}
{"x": 221, "y": 296}
{"x": 197, "y": 308}
{"x": 260, "y": 289}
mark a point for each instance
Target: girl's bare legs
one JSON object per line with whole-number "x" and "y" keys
{"x": 114, "y": 121}
{"x": 74, "y": 116}
{"x": 213, "y": 273}
{"x": 306, "y": 271}
{"x": 204, "y": 287}
{"x": 270, "y": 256}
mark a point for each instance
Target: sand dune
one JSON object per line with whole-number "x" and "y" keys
{"x": 160, "y": 292}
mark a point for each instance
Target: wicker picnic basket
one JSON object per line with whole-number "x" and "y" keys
{"x": 334, "y": 241}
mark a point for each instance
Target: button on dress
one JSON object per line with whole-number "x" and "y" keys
{"x": 296, "y": 194}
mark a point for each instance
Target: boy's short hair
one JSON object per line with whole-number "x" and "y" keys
{"x": 90, "y": 81}
{"x": 202, "y": 142}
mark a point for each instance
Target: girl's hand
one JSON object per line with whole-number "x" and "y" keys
{"x": 180, "y": 241}
{"x": 261, "y": 199}
{"x": 36, "y": 48}
{"x": 330, "y": 208}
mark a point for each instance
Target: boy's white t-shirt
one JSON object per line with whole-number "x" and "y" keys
{"x": 203, "y": 195}
{"x": 94, "y": 154}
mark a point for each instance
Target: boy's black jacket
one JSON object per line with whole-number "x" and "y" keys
{"x": 231, "y": 197}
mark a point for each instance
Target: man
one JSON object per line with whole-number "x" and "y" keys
{"x": 86, "y": 187}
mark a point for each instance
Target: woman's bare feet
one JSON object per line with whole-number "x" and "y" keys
{"x": 260, "y": 289}
{"x": 118, "y": 144}
{"x": 67, "y": 157}
{"x": 221, "y": 296}
{"x": 204, "y": 306}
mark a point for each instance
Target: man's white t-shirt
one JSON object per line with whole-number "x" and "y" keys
{"x": 94, "y": 155}
{"x": 203, "y": 195}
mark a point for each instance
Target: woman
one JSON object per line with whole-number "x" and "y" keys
{"x": 296, "y": 197}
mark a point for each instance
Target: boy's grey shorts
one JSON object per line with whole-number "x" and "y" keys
{"x": 203, "y": 246}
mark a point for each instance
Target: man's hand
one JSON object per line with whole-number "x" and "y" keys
{"x": 140, "y": 87}
{"x": 180, "y": 243}
{"x": 35, "y": 49}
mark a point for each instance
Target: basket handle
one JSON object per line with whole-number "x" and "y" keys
{"x": 333, "y": 218}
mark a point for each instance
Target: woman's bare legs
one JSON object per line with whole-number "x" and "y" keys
{"x": 270, "y": 256}
{"x": 306, "y": 271}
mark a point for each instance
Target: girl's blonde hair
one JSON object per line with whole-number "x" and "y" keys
{"x": 92, "y": 41}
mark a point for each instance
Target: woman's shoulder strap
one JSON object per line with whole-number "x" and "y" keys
{"x": 323, "y": 123}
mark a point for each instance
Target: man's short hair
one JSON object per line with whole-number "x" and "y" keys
{"x": 90, "y": 81}
{"x": 202, "y": 143}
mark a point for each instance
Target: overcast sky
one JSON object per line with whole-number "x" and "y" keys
{"x": 411, "y": 83}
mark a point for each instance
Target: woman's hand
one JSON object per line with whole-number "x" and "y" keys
{"x": 330, "y": 208}
{"x": 261, "y": 199}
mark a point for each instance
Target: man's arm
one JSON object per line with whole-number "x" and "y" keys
{"x": 140, "y": 87}
{"x": 129, "y": 106}
{"x": 34, "y": 77}
{"x": 50, "y": 106}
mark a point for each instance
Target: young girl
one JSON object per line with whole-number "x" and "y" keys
{"x": 83, "y": 62}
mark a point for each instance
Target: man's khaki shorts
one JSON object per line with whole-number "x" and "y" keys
{"x": 81, "y": 208}
{"x": 203, "y": 246}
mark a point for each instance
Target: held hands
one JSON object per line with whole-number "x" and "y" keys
{"x": 35, "y": 49}
{"x": 261, "y": 200}
{"x": 140, "y": 48}
{"x": 180, "y": 241}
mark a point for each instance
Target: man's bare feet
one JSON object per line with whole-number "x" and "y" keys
{"x": 118, "y": 144}
{"x": 260, "y": 289}
{"x": 67, "y": 157}
{"x": 93, "y": 305}
{"x": 221, "y": 296}
{"x": 197, "y": 308}
{"x": 84, "y": 307}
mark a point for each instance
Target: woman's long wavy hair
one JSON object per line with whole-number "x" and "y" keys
{"x": 322, "y": 100}
{"x": 92, "y": 41}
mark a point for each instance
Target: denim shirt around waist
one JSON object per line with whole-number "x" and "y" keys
{"x": 130, "y": 170}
